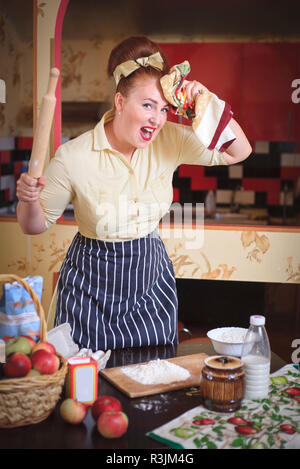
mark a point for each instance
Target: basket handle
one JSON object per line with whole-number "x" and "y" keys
{"x": 39, "y": 309}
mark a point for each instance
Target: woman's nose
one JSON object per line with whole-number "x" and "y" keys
{"x": 154, "y": 119}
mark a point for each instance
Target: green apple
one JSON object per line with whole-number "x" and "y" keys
{"x": 18, "y": 345}
{"x": 33, "y": 373}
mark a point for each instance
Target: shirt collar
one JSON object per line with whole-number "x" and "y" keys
{"x": 100, "y": 140}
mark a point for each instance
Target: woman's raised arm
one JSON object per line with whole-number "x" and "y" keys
{"x": 240, "y": 149}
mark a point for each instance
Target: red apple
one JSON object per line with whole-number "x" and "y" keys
{"x": 31, "y": 340}
{"x": 44, "y": 346}
{"x": 103, "y": 404}
{"x": 17, "y": 365}
{"x": 45, "y": 362}
{"x": 72, "y": 411}
{"x": 112, "y": 424}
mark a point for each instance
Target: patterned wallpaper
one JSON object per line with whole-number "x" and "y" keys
{"x": 84, "y": 77}
{"x": 16, "y": 115}
{"x": 270, "y": 177}
{"x": 83, "y": 74}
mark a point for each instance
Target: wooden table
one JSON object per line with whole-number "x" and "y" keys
{"x": 144, "y": 414}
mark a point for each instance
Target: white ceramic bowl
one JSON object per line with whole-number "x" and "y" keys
{"x": 222, "y": 342}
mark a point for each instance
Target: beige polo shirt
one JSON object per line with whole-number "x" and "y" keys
{"x": 113, "y": 199}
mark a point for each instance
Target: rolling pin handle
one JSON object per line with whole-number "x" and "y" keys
{"x": 54, "y": 74}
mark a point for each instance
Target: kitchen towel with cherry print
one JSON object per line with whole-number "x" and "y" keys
{"x": 270, "y": 423}
{"x": 211, "y": 116}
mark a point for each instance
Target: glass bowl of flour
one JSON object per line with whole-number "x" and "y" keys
{"x": 228, "y": 340}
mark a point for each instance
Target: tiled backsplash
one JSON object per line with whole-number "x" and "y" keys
{"x": 269, "y": 178}
{"x": 14, "y": 157}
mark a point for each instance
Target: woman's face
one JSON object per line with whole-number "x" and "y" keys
{"x": 141, "y": 114}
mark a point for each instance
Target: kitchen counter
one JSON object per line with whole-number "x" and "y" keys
{"x": 144, "y": 414}
{"x": 260, "y": 253}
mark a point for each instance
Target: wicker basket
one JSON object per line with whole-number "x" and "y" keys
{"x": 24, "y": 401}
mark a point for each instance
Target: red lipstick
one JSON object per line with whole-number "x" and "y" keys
{"x": 147, "y": 132}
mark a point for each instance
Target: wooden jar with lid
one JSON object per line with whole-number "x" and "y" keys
{"x": 222, "y": 383}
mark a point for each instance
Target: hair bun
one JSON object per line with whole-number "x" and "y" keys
{"x": 133, "y": 48}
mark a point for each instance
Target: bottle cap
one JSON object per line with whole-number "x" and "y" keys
{"x": 257, "y": 320}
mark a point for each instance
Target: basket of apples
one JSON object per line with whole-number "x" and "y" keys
{"x": 33, "y": 374}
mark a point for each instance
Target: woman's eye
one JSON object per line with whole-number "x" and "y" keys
{"x": 147, "y": 105}
{"x": 165, "y": 109}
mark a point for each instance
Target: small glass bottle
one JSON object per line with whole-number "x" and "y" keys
{"x": 256, "y": 356}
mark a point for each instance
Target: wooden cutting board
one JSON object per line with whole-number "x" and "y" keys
{"x": 193, "y": 363}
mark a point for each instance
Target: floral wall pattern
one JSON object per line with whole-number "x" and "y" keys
{"x": 258, "y": 245}
{"x": 84, "y": 77}
{"x": 224, "y": 255}
{"x": 16, "y": 115}
{"x": 83, "y": 74}
{"x": 35, "y": 255}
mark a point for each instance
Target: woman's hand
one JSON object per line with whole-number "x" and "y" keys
{"x": 29, "y": 210}
{"x": 193, "y": 89}
{"x": 29, "y": 188}
{"x": 240, "y": 149}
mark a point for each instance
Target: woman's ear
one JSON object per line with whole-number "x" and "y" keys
{"x": 119, "y": 101}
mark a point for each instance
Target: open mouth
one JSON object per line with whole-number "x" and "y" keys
{"x": 147, "y": 133}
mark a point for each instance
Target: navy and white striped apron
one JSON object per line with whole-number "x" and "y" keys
{"x": 118, "y": 294}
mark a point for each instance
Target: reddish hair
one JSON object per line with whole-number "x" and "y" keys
{"x": 131, "y": 49}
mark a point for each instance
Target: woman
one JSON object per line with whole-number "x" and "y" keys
{"x": 116, "y": 286}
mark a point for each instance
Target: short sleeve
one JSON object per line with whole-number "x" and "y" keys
{"x": 194, "y": 152}
{"x": 57, "y": 193}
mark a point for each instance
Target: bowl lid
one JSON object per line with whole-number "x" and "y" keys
{"x": 223, "y": 362}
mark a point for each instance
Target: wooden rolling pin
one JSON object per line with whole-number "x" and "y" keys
{"x": 43, "y": 127}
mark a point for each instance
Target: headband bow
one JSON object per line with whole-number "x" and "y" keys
{"x": 127, "y": 68}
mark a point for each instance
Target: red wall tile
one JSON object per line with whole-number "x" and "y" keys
{"x": 189, "y": 170}
{"x": 204, "y": 184}
{"x": 24, "y": 143}
{"x": 7, "y": 197}
{"x": 261, "y": 184}
{"x": 175, "y": 194}
{"x": 4, "y": 156}
{"x": 17, "y": 169}
{"x": 273, "y": 198}
{"x": 290, "y": 172}
{"x": 271, "y": 186}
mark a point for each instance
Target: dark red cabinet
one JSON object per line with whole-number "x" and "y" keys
{"x": 255, "y": 78}
{"x": 217, "y": 66}
{"x": 267, "y": 110}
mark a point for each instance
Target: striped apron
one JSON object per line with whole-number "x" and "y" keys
{"x": 118, "y": 294}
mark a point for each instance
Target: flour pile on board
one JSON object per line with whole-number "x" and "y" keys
{"x": 156, "y": 372}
